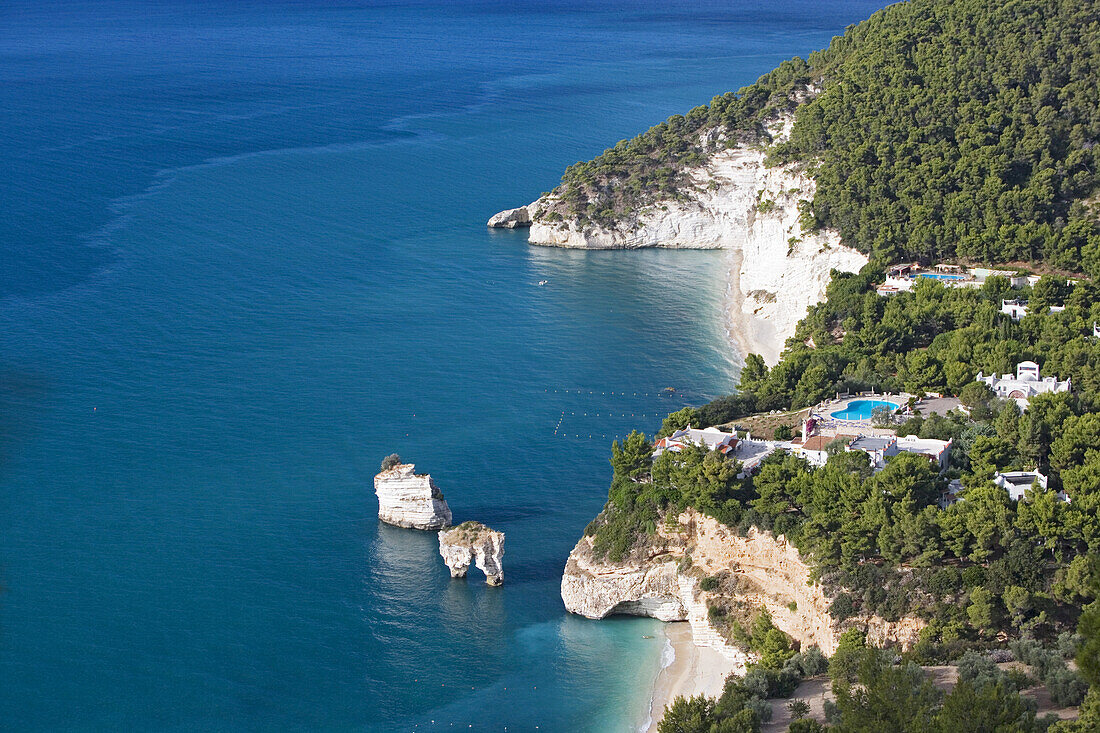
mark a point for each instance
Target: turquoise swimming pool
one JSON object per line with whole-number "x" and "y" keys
{"x": 941, "y": 276}
{"x": 861, "y": 409}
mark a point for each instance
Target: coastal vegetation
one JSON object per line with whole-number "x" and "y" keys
{"x": 652, "y": 166}
{"x": 935, "y": 129}
{"x": 871, "y": 692}
{"x": 982, "y": 567}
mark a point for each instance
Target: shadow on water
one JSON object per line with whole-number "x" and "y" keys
{"x": 493, "y": 514}
{"x": 21, "y": 395}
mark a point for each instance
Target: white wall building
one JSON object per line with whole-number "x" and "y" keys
{"x": 1014, "y": 309}
{"x": 950, "y": 495}
{"x": 878, "y": 448}
{"x": 1018, "y": 483}
{"x": 708, "y": 438}
{"x": 937, "y": 451}
{"x": 1026, "y": 384}
{"x": 895, "y": 285}
{"x": 813, "y": 447}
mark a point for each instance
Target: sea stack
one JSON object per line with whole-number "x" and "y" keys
{"x": 476, "y": 543}
{"x": 408, "y": 499}
{"x": 518, "y": 218}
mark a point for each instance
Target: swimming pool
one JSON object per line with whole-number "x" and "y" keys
{"x": 941, "y": 276}
{"x": 861, "y": 409}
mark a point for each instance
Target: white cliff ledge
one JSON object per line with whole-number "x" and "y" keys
{"x": 737, "y": 204}
{"x": 473, "y": 542}
{"x": 664, "y": 584}
{"x": 411, "y": 500}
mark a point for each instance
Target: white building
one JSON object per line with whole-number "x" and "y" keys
{"x": 1017, "y": 309}
{"x": 1018, "y": 483}
{"x": 880, "y": 448}
{"x": 813, "y": 447}
{"x": 708, "y": 438}
{"x": 1095, "y": 331}
{"x": 1014, "y": 309}
{"x": 895, "y": 285}
{"x": 950, "y": 495}
{"x": 1026, "y": 384}
{"x": 752, "y": 452}
{"x": 937, "y": 451}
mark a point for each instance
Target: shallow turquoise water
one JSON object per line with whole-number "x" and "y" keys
{"x": 862, "y": 409}
{"x": 243, "y": 257}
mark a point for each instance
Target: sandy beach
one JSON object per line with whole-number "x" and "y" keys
{"x": 748, "y": 333}
{"x": 694, "y": 671}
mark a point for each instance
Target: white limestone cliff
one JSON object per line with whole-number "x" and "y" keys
{"x": 473, "y": 542}
{"x": 411, "y": 500}
{"x": 737, "y": 204}
{"x": 664, "y": 584}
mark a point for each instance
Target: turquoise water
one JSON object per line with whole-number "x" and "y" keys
{"x": 862, "y": 409}
{"x": 940, "y": 276}
{"x": 243, "y": 257}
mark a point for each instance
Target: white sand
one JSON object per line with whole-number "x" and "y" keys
{"x": 694, "y": 671}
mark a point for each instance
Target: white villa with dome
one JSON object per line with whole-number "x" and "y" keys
{"x": 1024, "y": 385}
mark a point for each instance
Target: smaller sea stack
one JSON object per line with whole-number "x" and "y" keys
{"x": 473, "y": 542}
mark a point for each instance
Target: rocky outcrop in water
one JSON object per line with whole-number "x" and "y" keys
{"x": 663, "y": 582}
{"x": 473, "y": 542}
{"x": 511, "y": 219}
{"x": 412, "y": 500}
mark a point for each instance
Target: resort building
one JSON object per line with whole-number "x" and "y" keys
{"x": 895, "y": 285}
{"x": 813, "y": 447}
{"x": 708, "y": 438}
{"x": 879, "y": 448}
{"x": 751, "y": 452}
{"x": 1015, "y": 279}
{"x": 937, "y": 451}
{"x": 950, "y": 495}
{"x": 1014, "y": 309}
{"x": 1017, "y": 309}
{"x": 1026, "y": 384}
{"x": 901, "y": 278}
{"x": 1018, "y": 483}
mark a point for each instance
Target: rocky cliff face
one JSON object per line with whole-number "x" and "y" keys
{"x": 411, "y": 500}
{"x": 473, "y": 542}
{"x": 664, "y": 584}
{"x": 738, "y": 204}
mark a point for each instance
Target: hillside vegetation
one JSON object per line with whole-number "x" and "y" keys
{"x": 945, "y": 129}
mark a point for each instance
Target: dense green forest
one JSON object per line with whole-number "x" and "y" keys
{"x": 945, "y": 129}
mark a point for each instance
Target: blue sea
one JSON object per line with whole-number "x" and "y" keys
{"x": 242, "y": 258}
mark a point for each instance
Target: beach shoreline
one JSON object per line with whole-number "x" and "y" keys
{"x": 746, "y": 333}
{"x": 692, "y": 670}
